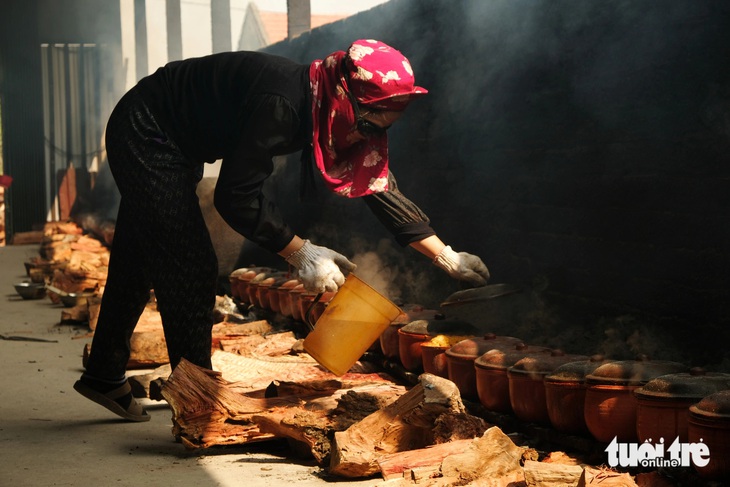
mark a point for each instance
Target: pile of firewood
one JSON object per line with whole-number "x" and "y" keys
{"x": 82, "y": 261}
{"x": 70, "y": 261}
{"x": 361, "y": 425}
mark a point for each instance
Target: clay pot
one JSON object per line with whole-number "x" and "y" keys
{"x": 611, "y": 406}
{"x": 526, "y": 384}
{"x": 292, "y": 301}
{"x": 461, "y": 360}
{"x": 491, "y": 384}
{"x": 236, "y": 279}
{"x": 278, "y": 291}
{"x": 709, "y": 422}
{"x": 248, "y": 285}
{"x": 412, "y": 335}
{"x": 263, "y": 287}
{"x": 244, "y": 278}
{"x": 433, "y": 353}
{"x": 565, "y": 394}
{"x": 252, "y": 285}
{"x": 663, "y": 403}
{"x": 389, "y": 340}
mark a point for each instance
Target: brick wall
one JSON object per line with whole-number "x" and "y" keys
{"x": 581, "y": 148}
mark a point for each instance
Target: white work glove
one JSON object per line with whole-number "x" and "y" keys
{"x": 320, "y": 269}
{"x": 462, "y": 266}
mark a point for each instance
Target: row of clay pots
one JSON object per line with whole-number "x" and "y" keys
{"x": 632, "y": 400}
{"x": 277, "y": 291}
{"x": 642, "y": 400}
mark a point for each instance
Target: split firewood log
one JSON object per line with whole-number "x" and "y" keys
{"x": 75, "y": 314}
{"x": 397, "y": 465}
{"x": 493, "y": 456}
{"x": 232, "y": 331}
{"x": 406, "y": 424}
{"x": 83, "y": 264}
{"x": 141, "y": 382}
{"x": 605, "y": 478}
{"x": 207, "y": 410}
{"x": 325, "y": 412}
{"x": 543, "y": 474}
{"x": 62, "y": 227}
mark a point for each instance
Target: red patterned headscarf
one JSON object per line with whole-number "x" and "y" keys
{"x": 379, "y": 77}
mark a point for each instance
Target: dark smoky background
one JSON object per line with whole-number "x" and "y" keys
{"x": 580, "y": 148}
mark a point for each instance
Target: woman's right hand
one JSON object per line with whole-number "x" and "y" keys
{"x": 320, "y": 269}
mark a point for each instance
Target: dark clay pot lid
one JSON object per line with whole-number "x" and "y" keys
{"x": 482, "y": 293}
{"x": 506, "y": 357}
{"x": 576, "y": 371}
{"x": 543, "y": 364}
{"x": 715, "y": 405}
{"x": 471, "y": 348}
{"x": 439, "y": 327}
{"x": 633, "y": 372}
{"x": 416, "y": 312}
{"x": 693, "y": 385}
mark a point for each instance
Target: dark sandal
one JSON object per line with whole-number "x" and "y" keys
{"x": 133, "y": 412}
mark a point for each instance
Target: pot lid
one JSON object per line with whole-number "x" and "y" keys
{"x": 716, "y": 405}
{"x": 482, "y": 293}
{"x": 544, "y": 363}
{"x": 695, "y": 384}
{"x": 576, "y": 371}
{"x": 416, "y": 312}
{"x": 261, "y": 276}
{"x": 248, "y": 273}
{"x": 444, "y": 341}
{"x": 286, "y": 283}
{"x": 471, "y": 348}
{"x": 633, "y": 372}
{"x": 506, "y": 357}
{"x": 435, "y": 327}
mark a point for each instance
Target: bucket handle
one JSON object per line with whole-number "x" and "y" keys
{"x": 308, "y": 314}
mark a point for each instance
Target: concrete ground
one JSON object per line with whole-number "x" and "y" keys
{"x": 52, "y": 436}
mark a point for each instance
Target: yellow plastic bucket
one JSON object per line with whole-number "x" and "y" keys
{"x": 355, "y": 317}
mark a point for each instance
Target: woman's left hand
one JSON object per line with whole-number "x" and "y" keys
{"x": 462, "y": 266}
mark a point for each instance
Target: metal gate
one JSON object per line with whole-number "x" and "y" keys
{"x": 78, "y": 96}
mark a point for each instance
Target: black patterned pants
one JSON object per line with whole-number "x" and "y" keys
{"x": 160, "y": 242}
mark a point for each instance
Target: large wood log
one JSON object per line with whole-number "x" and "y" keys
{"x": 493, "y": 456}
{"x": 325, "y": 411}
{"x": 406, "y": 424}
{"x": 208, "y": 410}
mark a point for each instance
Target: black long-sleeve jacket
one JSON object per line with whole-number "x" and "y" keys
{"x": 244, "y": 108}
